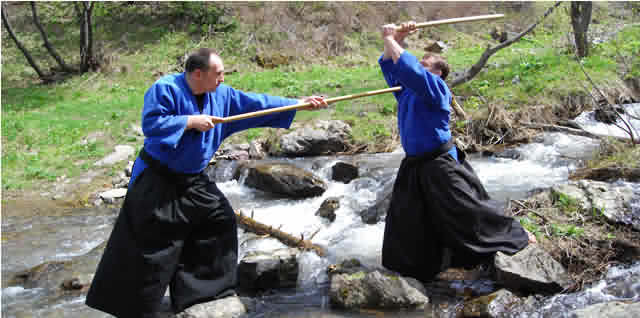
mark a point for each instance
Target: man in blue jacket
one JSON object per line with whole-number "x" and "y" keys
{"x": 440, "y": 214}
{"x": 176, "y": 229}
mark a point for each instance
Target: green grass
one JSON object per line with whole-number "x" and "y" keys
{"x": 49, "y": 131}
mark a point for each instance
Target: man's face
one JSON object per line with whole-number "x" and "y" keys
{"x": 429, "y": 63}
{"x": 212, "y": 78}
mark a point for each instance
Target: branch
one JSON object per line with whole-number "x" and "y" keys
{"x": 26, "y": 53}
{"x": 47, "y": 44}
{"x": 629, "y": 130}
{"x": 256, "y": 227}
{"x": 489, "y": 51}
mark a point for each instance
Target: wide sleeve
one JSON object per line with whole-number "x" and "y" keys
{"x": 240, "y": 102}
{"x": 412, "y": 75}
{"x": 160, "y": 122}
{"x": 387, "y": 66}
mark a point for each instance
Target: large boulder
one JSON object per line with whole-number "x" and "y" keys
{"x": 492, "y": 305}
{"x": 360, "y": 288}
{"x": 344, "y": 172}
{"x": 531, "y": 271}
{"x": 612, "y": 200}
{"x": 263, "y": 271}
{"x": 322, "y": 138}
{"x": 283, "y": 179}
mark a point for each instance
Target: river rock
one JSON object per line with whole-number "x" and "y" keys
{"x": 322, "y": 138}
{"x": 378, "y": 210}
{"x": 40, "y": 275}
{"x": 256, "y": 150}
{"x": 61, "y": 278}
{"x": 531, "y": 270}
{"x": 613, "y": 309}
{"x": 328, "y": 208}
{"x": 228, "y": 307}
{"x": 492, "y": 305}
{"x": 355, "y": 287}
{"x": 344, "y": 172}
{"x": 110, "y": 195}
{"x": 121, "y": 152}
{"x": 233, "y": 152}
{"x": 223, "y": 170}
{"x": 613, "y": 201}
{"x": 263, "y": 271}
{"x": 284, "y": 179}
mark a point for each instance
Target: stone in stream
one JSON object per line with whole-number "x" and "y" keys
{"x": 531, "y": 270}
{"x": 355, "y": 287}
{"x": 283, "y": 179}
{"x": 328, "y": 208}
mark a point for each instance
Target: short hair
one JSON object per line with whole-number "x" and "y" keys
{"x": 199, "y": 60}
{"x": 440, "y": 64}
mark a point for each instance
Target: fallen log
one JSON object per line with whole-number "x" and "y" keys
{"x": 571, "y": 131}
{"x": 606, "y": 174}
{"x": 251, "y": 225}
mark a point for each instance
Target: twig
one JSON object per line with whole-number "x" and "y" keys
{"x": 628, "y": 130}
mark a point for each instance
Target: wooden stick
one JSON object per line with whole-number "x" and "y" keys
{"x": 458, "y": 20}
{"x": 303, "y": 105}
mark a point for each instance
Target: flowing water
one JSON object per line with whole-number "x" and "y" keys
{"x": 38, "y": 233}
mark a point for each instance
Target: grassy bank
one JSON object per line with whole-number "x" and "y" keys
{"x": 60, "y": 130}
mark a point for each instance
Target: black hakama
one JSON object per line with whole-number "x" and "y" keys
{"x": 175, "y": 230}
{"x": 437, "y": 204}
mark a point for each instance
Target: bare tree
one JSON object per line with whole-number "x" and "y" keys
{"x": 580, "y": 18}
{"x": 87, "y": 60}
{"x": 47, "y": 44}
{"x": 477, "y": 67}
{"x": 24, "y": 50}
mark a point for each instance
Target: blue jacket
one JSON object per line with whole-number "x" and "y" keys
{"x": 423, "y": 105}
{"x": 169, "y": 101}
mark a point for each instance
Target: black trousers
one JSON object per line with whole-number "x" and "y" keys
{"x": 173, "y": 230}
{"x": 439, "y": 203}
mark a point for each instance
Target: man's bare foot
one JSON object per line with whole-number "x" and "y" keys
{"x": 532, "y": 238}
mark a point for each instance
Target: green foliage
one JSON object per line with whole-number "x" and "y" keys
{"x": 253, "y": 133}
{"x": 529, "y": 223}
{"x": 204, "y": 16}
{"x": 565, "y": 203}
{"x": 569, "y": 230}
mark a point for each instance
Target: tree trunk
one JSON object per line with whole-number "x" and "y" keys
{"x": 580, "y": 18}
{"x": 86, "y": 36}
{"x": 47, "y": 44}
{"x": 489, "y": 51}
{"x": 26, "y": 53}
